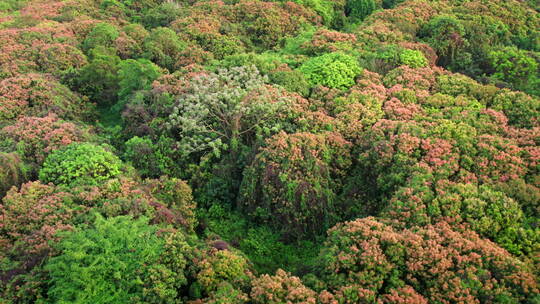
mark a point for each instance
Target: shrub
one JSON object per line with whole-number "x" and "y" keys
{"x": 80, "y": 164}
{"x": 334, "y": 70}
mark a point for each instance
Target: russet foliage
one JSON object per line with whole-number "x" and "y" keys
{"x": 242, "y": 151}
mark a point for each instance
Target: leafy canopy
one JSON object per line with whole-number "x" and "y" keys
{"x": 106, "y": 263}
{"x": 80, "y": 164}
{"x": 334, "y": 70}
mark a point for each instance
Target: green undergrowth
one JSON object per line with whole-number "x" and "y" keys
{"x": 264, "y": 247}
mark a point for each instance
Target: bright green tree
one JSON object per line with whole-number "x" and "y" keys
{"x": 514, "y": 66}
{"x": 333, "y": 70}
{"x": 118, "y": 260}
{"x": 79, "y": 164}
{"x": 412, "y": 58}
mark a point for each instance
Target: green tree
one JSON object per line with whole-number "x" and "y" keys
{"x": 103, "y": 34}
{"x": 515, "y": 66}
{"x": 136, "y": 75}
{"x": 151, "y": 159}
{"x": 412, "y": 58}
{"x": 222, "y": 110}
{"x": 291, "y": 80}
{"x": 520, "y": 108}
{"x": 390, "y": 3}
{"x": 358, "y": 10}
{"x": 333, "y": 70}
{"x": 330, "y": 11}
{"x": 489, "y": 213}
{"x": 162, "y": 15}
{"x": 226, "y": 293}
{"x": 12, "y": 171}
{"x": 79, "y": 164}
{"x": 162, "y": 46}
{"x": 446, "y": 34}
{"x": 99, "y": 78}
{"x": 292, "y": 183}
{"x": 118, "y": 260}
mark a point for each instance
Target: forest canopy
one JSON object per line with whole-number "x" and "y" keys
{"x": 269, "y": 152}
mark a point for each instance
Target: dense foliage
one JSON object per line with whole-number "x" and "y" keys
{"x": 366, "y": 260}
{"x": 269, "y": 152}
{"x": 79, "y": 163}
{"x": 110, "y": 266}
{"x": 333, "y": 70}
{"x": 292, "y": 183}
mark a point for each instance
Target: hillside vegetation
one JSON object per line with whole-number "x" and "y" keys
{"x": 269, "y": 152}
